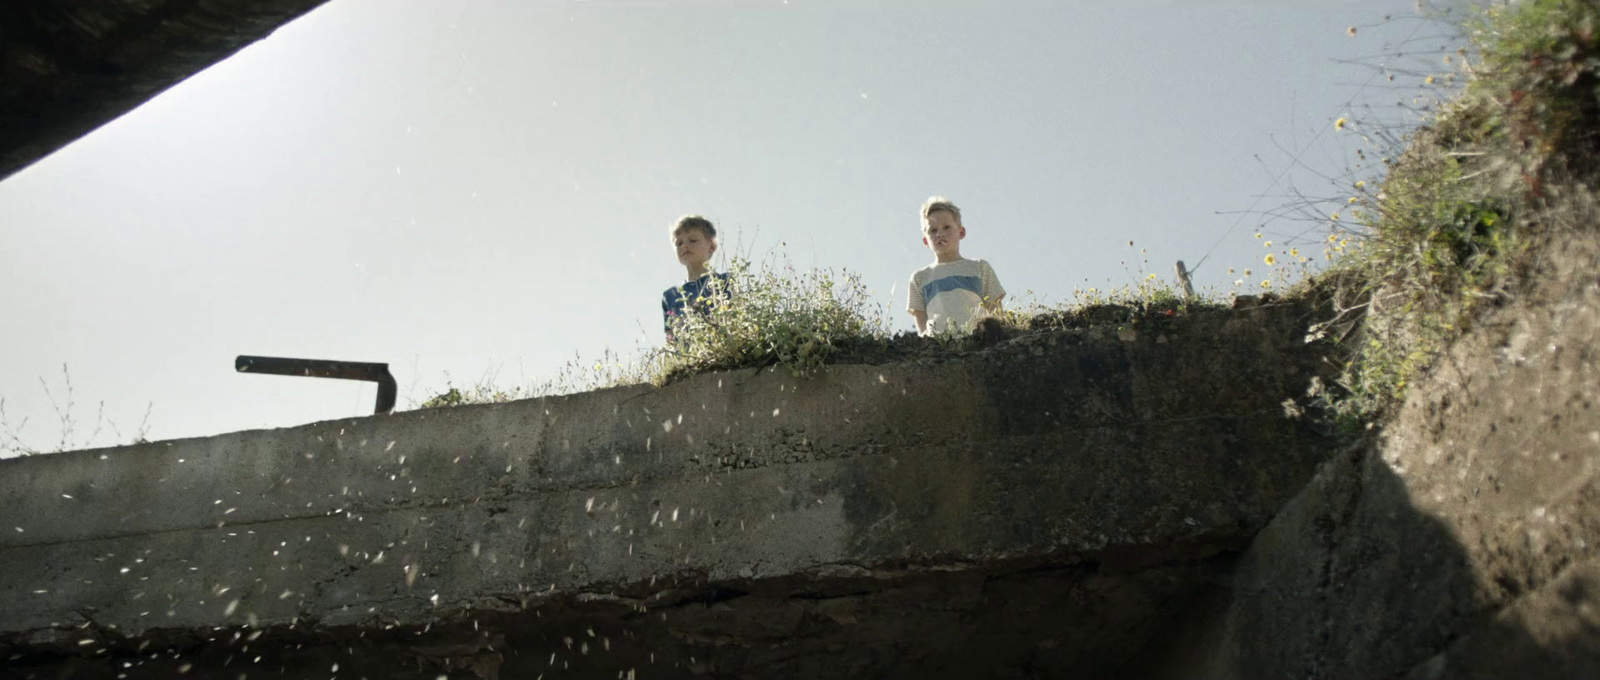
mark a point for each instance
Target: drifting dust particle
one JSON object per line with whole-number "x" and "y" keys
{"x": 666, "y": 425}
{"x": 674, "y": 514}
{"x": 69, "y": 496}
{"x": 389, "y": 448}
{"x": 19, "y": 529}
{"x": 477, "y": 548}
{"x": 775, "y": 412}
{"x": 231, "y": 608}
{"x": 336, "y": 668}
{"x": 286, "y": 594}
{"x": 588, "y": 506}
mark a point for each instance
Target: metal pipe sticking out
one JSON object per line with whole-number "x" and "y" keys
{"x": 321, "y": 368}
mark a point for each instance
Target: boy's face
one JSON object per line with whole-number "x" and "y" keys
{"x": 694, "y": 247}
{"x": 942, "y": 233}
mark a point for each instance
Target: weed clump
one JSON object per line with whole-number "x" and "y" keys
{"x": 1448, "y": 233}
{"x": 776, "y": 316}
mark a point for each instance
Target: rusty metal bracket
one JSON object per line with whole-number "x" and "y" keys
{"x": 320, "y": 368}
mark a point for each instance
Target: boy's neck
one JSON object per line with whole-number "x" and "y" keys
{"x": 698, "y": 270}
{"x": 947, "y": 259}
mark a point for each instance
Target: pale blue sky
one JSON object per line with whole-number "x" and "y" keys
{"x": 485, "y": 187}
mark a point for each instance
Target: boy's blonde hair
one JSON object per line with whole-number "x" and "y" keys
{"x": 688, "y": 222}
{"x": 935, "y": 204}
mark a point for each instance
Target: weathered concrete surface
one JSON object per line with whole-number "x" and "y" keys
{"x": 1462, "y": 543}
{"x": 1044, "y": 506}
{"x": 67, "y": 68}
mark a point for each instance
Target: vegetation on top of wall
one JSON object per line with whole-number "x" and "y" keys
{"x": 801, "y": 321}
{"x": 1449, "y": 230}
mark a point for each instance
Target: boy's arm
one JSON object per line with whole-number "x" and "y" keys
{"x": 993, "y": 293}
{"x": 917, "y": 306}
{"x": 666, "y": 314}
{"x": 922, "y": 320}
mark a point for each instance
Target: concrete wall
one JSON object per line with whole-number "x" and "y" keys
{"x": 1107, "y": 473}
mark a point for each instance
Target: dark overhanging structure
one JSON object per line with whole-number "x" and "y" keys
{"x": 67, "y": 68}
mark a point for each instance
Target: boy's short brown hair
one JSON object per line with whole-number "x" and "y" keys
{"x": 935, "y": 204}
{"x": 688, "y": 222}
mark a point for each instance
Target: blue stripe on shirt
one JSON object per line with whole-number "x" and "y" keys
{"x": 949, "y": 283}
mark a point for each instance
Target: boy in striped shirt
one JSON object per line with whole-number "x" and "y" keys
{"x": 948, "y": 295}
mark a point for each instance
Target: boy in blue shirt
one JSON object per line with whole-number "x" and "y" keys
{"x": 949, "y": 294}
{"x": 695, "y": 240}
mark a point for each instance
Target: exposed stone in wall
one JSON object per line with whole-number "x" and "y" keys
{"x": 1047, "y": 505}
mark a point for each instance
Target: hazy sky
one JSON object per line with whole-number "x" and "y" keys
{"x": 477, "y": 188}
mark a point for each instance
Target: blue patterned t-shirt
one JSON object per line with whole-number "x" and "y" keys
{"x": 696, "y": 295}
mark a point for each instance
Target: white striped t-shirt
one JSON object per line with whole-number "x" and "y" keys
{"x": 952, "y": 292}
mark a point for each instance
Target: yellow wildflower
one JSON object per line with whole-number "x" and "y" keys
{"x": 1429, "y": 81}
{"x": 1266, "y": 283}
{"x": 1339, "y": 124}
{"x": 1267, "y": 244}
{"x": 1361, "y": 183}
{"x": 1294, "y": 252}
{"x": 1334, "y": 217}
{"x": 1270, "y": 260}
